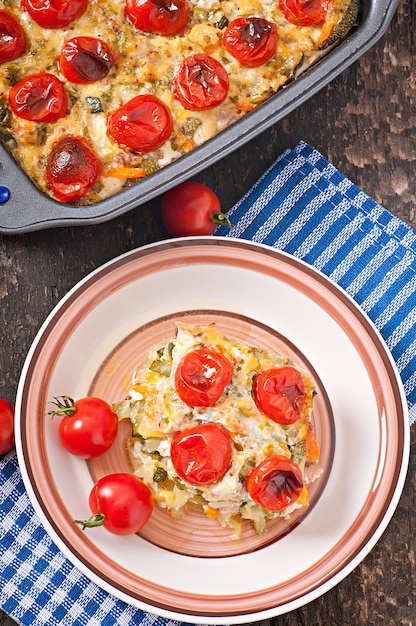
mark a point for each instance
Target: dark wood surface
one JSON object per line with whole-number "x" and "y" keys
{"x": 364, "y": 123}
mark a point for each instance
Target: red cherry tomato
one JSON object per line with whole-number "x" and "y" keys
{"x": 165, "y": 17}
{"x": 202, "y": 376}
{"x": 251, "y": 40}
{"x": 201, "y": 82}
{"x": 88, "y": 427}
{"x": 72, "y": 168}
{"x": 6, "y": 426}
{"x": 191, "y": 209}
{"x": 121, "y": 503}
{"x": 54, "y": 13}
{"x": 85, "y": 59}
{"x": 305, "y": 12}
{"x": 279, "y": 393}
{"x": 143, "y": 124}
{"x": 39, "y": 98}
{"x": 275, "y": 483}
{"x": 202, "y": 455}
{"x": 12, "y": 38}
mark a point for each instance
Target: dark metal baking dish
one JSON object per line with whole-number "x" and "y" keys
{"x": 28, "y": 209}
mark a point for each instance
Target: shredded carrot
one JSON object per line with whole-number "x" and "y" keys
{"x": 210, "y": 48}
{"x": 304, "y": 497}
{"x": 325, "y": 32}
{"x": 188, "y": 145}
{"x": 312, "y": 446}
{"x": 210, "y": 512}
{"x": 125, "y": 172}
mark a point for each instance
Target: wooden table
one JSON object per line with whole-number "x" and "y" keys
{"x": 363, "y": 122}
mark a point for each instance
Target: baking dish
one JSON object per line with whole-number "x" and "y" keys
{"x": 23, "y": 208}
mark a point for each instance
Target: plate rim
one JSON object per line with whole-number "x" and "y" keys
{"x": 332, "y": 580}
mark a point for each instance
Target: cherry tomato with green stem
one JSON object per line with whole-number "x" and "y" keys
{"x": 119, "y": 502}
{"x": 275, "y": 483}
{"x": 279, "y": 393}
{"x": 191, "y": 209}
{"x": 201, "y": 377}
{"x": 88, "y": 427}
{"x": 6, "y": 426}
{"x": 202, "y": 455}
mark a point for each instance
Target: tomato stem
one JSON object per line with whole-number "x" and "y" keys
{"x": 65, "y": 404}
{"x": 97, "y": 519}
{"x": 221, "y": 219}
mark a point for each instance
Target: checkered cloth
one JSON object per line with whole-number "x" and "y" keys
{"x": 304, "y": 206}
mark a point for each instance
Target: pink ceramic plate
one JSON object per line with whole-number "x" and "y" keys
{"x": 190, "y": 569}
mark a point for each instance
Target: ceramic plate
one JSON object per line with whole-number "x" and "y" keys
{"x": 190, "y": 569}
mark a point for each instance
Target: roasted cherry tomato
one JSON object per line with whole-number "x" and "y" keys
{"x": 12, "y": 38}
{"x": 39, "y": 98}
{"x": 72, "y": 168}
{"x": 86, "y": 59}
{"x": 121, "y": 503}
{"x": 88, "y": 427}
{"x": 6, "y": 426}
{"x": 142, "y": 124}
{"x": 251, "y": 40}
{"x": 202, "y": 455}
{"x": 165, "y": 17}
{"x": 201, "y": 377}
{"x": 54, "y": 13}
{"x": 191, "y": 209}
{"x": 305, "y": 12}
{"x": 275, "y": 483}
{"x": 279, "y": 393}
{"x": 201, "y": 82}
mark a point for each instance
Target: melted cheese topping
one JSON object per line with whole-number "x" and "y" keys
{"x": 157, "y": 413}
{"x": 147, "y": 64}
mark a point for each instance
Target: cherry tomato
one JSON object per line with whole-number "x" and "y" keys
{"x": 54, "y": 13}
{"x": 201, "y": 377}
{"x": 201, "y": 82}
{"x": 275, "y": 483}
{"x": 305, "y": 12}
{"x": 121, "y": 503}
{"x": 142, "y": 124}
{"x": 251, "y": 40}
{"x": 39, "y": 98}
{"x": 85, "y": 59}
{"x": 6, "y": 426}
{"x": 279, "y": 393}
{"x": 202, "y": 455}
{"x": 165, "y": 17}
{"x": 88, "y": 427}
{"x": 72, "y": 168}
{"x": 191, "y": 209}
{"x": 12, "y": 38}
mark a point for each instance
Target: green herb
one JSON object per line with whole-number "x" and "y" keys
{"x": 160, "y": 475}
{"x": 94, "y": 104}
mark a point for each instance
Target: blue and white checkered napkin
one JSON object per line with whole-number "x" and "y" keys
{"x": 304, "y": 206}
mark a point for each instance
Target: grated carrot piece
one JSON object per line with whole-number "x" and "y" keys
{"x": 312, "y": 446}
{"x": 125, "y": 172}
